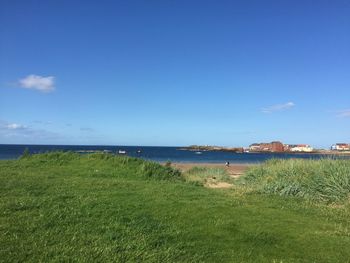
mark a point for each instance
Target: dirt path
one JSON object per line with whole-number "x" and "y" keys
{"x": 234, "y": 171}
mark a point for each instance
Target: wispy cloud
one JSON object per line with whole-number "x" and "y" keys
{"x": 23, "y": 133}
{"x": 343, "y": 113}
{"x": 86, "y": 129}
{"x": 278, "y": 107}
{"x": 14, "y": 126}
{"x": 43, "y": 122}
{"x": 43, "y": 84}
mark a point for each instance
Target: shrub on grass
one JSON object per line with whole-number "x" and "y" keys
{"x": 25, "y": 153}
{"x": 168, "y": 164}
{"x": 157, "y": 171}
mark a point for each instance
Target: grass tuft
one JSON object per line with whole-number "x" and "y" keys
{"x": 155, "y": 170}
{"x": 326, "y": 180}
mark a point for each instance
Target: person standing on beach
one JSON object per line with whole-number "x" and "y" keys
{"x": 227, "y": 164}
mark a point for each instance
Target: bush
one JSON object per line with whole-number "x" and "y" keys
{"x": 25, "y": 153}
{"x": 155, "y": 170}
{"x": 168, "y": 164}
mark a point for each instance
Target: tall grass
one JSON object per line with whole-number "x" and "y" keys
{"x": 102, "y": 163}
{"x": 201, "y": 175}
{"x": 155, "y": 170}
{"x": 321, "y": 180}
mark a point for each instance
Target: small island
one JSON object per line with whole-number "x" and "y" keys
{"x": 204, "y": 148}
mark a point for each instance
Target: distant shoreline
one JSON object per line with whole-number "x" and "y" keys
{"x": 196, "y": 148}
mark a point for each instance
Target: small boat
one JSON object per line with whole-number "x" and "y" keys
{"x": 138, "y": 151}
{"x": 121, "y": 152}
{"x": 198, "y": 152}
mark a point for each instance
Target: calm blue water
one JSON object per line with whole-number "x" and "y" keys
{"x": 160, "y": 154}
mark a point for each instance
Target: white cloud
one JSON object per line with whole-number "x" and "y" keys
{"x": 15, "y": 126}
{"x": 344, "y": 113}
{"x": 19, "y": 133}
{"x": 278, "y": 107}
{"x": 44, "y": 84}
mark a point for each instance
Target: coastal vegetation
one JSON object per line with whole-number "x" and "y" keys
{"x": 325, "y": 180}
{"x": 58, "y": 207}
{"x": 207, "y": 176}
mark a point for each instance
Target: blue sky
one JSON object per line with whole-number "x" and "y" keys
{"x": 174, "y": 72}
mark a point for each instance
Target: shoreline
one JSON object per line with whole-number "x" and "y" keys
{"x": 325, "y": 152}
{"x": 241, "y": 150}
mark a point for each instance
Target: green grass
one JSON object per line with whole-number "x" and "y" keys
{"x": 64, "y": 207}
{"x": 204, "y": 175}
{"x": 318, "y": 180}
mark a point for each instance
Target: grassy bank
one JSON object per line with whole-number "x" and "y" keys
{"x": 102, "y": 208}
{"x": 207, "y": 175}
{"x": 318, "y": 180}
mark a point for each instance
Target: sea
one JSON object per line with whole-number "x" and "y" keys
{"x": 159, "y": 154}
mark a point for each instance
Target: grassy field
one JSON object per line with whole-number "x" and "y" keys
{"x": 65, "y": 207}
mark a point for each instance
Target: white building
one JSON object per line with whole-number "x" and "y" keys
{"x": 340, "y": 147}
{"x": 301, "y": 148}
{"x": 254, "y": 147}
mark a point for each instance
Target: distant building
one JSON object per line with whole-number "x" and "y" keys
{"x": 286, "y": 147}
{"x": 267, "y": 147}
{"x": 277, "y": 147}
{"x": 341, "y": 147}
{"x": 300, "y": 148}
{"x": 255, "y": 147}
